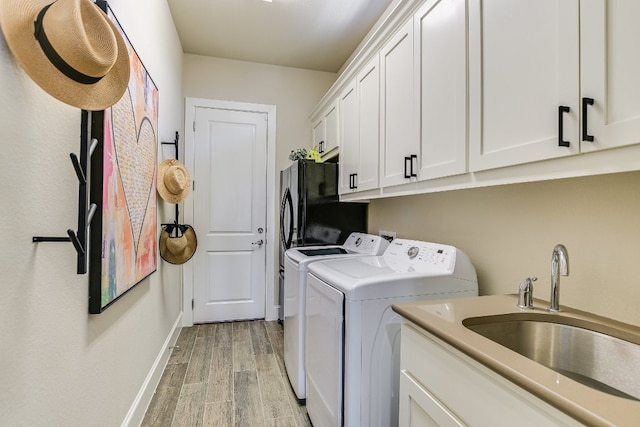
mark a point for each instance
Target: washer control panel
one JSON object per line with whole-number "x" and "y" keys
{"x": 413, "y": 255}
{"x": 364, "y": 243}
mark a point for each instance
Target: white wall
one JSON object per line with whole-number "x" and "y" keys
{"x": 60, "y": 366}
{"x": 509, "y": 233}
{"x": 294, "y": 92}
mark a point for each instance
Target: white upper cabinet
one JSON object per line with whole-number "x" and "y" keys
{"x": 368, "y": 87}
{"x": 610, "y": 73}
{"x": 318, "y": 133}
{"x": 359, "y": 130}
{"x": 348, "y": 133}
{"x": 523, "y": 81}
{"x": 331, "y": 130}
{"x": 440, "y": 30}
{"x": 399, "y": 144}
{"x": 452, "y": 94}
{"x": 325, "y": 131}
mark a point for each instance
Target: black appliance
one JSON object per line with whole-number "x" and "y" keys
{"x": 310, "y": 211}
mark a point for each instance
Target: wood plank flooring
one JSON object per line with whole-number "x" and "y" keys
{"x": 226, "y": 374}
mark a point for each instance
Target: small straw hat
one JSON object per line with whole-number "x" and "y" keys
{"x": 178, "y": 250}
{"x": 70, "y": 48}
{"x": 174, "y": 182}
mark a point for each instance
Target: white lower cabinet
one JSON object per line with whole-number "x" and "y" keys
{"x": 440, "y": 386}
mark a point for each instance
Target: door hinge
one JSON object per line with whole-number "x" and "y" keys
{"x": 194, "y": 126}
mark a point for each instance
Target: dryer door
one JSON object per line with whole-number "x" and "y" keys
{"x": 324, "y": 352}
{"x": 294, "y": 325}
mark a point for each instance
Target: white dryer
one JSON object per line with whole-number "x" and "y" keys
{"x": 352, "y": 350}
{"x": 296, "y": 265}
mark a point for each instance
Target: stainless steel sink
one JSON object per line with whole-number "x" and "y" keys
{"x": 601, "y": 357}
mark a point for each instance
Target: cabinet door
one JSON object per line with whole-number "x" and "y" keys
{"x": 610, "y": 73}
{"x": 368, "y": 88}
{"x": 419, "y": 408}
{"x": 331, "y": 129}
{"x": 348, "y": 126}
{"x": 318, "y": 134}
{"x": 440, "y": 30}
{"x": 398, "y": 109}
{"x": 523, "y": 66}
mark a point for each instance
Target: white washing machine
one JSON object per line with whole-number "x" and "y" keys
{"x": 352, "y": 350}
{"x": 296, "y": 265}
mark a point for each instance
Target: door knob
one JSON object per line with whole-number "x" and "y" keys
{"x": 259, "y": 242}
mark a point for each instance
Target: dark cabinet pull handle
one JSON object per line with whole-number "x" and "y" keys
{"x": 350, "y": 181}
{"x": 413, "y": 157}
{"x": 407, "y": 169}
{"x": 585, "y": 127}
{"x": 355, "y": 181}
{"x": 561, "y": 110}
{"x": 321, "y": 147}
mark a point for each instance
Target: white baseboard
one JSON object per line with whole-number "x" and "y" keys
{"x": 141, "y": 403}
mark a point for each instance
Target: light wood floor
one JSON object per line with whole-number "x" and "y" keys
{"x": 227, "y": 374}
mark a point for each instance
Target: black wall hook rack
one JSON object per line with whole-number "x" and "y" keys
{"x": 86, "y": 210}
{"x": 175, "y": 226}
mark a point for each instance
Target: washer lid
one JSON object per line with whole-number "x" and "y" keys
{"x": 356, "y": 244}
{"x": 323, "y": 251}
{"x": 307, "y": 253}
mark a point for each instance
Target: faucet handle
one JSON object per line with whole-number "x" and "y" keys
{"x": 525, "y": 293}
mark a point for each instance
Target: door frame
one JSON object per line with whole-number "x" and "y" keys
{"x": 191, "y": 104}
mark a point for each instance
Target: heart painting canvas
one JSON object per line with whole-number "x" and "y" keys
{"x": 123, "y": 237}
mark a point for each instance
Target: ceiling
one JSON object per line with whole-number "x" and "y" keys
{"x": 311, "y": 34}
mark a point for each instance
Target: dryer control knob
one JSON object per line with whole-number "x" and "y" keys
{"x": 413, "y": 252}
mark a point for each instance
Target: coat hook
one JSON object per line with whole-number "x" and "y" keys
{"x": 85, "y": 213}
{"x": 92, "y": 210}
{"x": 78, "y": 168}
{"x": 76, "y": 242}
{"x": 80, "y": 172}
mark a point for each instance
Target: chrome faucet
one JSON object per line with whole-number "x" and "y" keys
{"x": 559, "y": 267}
{"x": 525, "y": 293}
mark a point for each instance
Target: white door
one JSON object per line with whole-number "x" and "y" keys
{"x": 230, "y": 171}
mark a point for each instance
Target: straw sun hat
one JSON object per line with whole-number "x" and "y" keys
{"x": 70, "y": 48}
{"x": 178, "y": 250}
{"x": 174, "y": 182}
